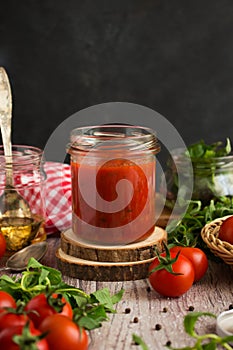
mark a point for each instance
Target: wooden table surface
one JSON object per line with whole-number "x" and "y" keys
{"x": 214, "y": 293}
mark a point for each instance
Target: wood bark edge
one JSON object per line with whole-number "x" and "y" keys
{"x": 139, "y": 251}
{"x": 100, "y": 271}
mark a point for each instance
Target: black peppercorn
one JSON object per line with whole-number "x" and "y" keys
{"x": 191, "y": 308}
{"x": 135, "y": 320}
{"x": 127, "y": 310}
{"x": 158, "y": 327}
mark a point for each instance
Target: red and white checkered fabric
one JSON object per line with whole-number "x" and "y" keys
{"x": 57, "y": 195}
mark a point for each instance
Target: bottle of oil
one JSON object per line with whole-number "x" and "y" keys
{"x": 29, "y": 179}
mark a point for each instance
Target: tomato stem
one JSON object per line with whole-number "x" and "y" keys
{"x": 166, "y": 262}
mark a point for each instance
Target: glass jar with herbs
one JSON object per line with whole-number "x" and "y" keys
{"x": 212, "y": 172}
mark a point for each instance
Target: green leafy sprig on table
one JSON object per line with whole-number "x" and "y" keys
{"x": 139, "y": 341}
{"x": 208, "y": 341}
{"x": 90, "y": 310}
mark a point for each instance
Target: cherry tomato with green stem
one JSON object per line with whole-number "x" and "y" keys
{"x": 171, "y": 274}
{"x": 6, "y": 300}
{"x": 9, "y": 319}
{"x": 42, "y": 306}
{"x": 63, "y": 333}
{"x": 22, "y": 337}
{"x": 197, "y": 257}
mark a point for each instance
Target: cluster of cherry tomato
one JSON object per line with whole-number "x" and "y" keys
{"x": 39, "y": 323}
{"x": 187, "y": 265}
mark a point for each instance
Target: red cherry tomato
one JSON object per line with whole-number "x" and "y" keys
{"x": 2, "y": 245}
{"x": 10, "y": 319}
{"x": 63, "y": 333}
{"x": 197, "y": 258}
{"x": 226, "y": 230}
{"x": 6, "y": 300}
{"x": 40, "y": 307}
{"x": 7, "y": 339}
{"x": 167, "y": 284}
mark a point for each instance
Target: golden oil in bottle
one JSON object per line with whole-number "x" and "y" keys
{"x": 20, "y": 232}
{"x": 29, "y": 180}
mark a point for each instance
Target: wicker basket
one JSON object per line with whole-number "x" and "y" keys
{"x": 219, "y": 248}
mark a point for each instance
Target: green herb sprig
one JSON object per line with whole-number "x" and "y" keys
{"x": 139, "y": 341}
{"x": 209, "y": 341}
{"x": 90, "y": 310}
{"x": 186, "y": 231}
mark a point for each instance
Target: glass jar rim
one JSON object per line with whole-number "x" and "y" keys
{"x": 130, "y": 137}
{"x": 25, "y": 153}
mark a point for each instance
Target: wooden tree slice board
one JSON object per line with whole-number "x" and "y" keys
{"x": 142, "y": 250}
{"x": 102, "y": 271}
{"x": 108, "y": 263}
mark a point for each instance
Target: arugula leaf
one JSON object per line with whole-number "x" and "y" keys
{"x": 138, "y": 340}
{"x": 54, "y": 275}
{"x": 208, "y": 341}
{"x": 103, "y": 296}
{"x": 191, "y": 319}
{"x": 117, "y": 297}
{"x": 92, "y": 318}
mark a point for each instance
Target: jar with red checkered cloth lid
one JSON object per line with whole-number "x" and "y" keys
{"x": 28, "y": 179}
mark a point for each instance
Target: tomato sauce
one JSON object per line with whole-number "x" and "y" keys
{"x": 107, "y": 210}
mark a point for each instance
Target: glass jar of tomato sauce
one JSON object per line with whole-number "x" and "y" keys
{"x": 113, "y": 183}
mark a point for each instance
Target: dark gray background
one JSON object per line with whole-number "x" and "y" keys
{"x": 173, "y": 56}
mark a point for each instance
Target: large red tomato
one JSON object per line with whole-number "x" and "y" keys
{"x": 171, "y": 285}
{"x": 40, "y": 307}
{"x": 197, "y": 258}
{"x": 226, "y": 230}
{"x": 63, "y": 333}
